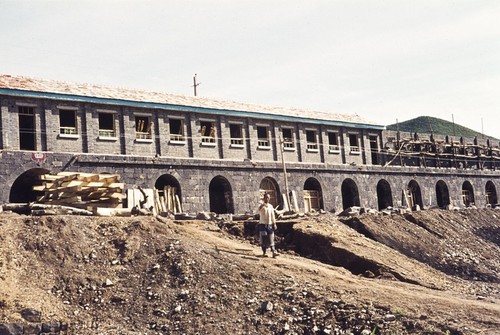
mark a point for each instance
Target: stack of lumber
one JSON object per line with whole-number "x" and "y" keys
{"x": 81, "y": 190}
{"x": 167, "y": 200}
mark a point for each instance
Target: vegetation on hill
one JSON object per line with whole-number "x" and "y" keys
{"x": 428, "y": 124}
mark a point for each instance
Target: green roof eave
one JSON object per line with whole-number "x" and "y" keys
{"x": 182, "y": 108}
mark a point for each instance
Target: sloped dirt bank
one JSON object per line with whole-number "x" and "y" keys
{"x": 155, "y": 276}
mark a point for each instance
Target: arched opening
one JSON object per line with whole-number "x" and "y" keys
{"x": 221, "y": 196}
{"x": 467, "y": 194}
{"x": 414, "y": 195}
{"x": 350, "y": 195}
{"x": 22, "y": 188}
{"x": 170, "y": 194}
{"x": 384, "y": 194}
{"x": 491, "y": 193}
{"x": 313, "y": 199}
{"x": 269, "y": 185}
{"x": 442, "y": 194}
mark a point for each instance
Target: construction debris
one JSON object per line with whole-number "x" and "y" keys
{"x": 87, "y": 191}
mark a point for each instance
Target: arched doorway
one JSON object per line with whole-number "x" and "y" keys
{"x": 350, "y": 194}
{"x": 491, "y": 193}
{"x": 269, "y": 185}
{"x": 22, "y": 188}
{"x": 414, "y": 195}
{"x": 221, "y": 196}
{"x": 384, "y": 194}
{"x": 313, "y": 199}
{"x": 170, "y": 194}
{"x": 467, "y": 194}
{"x": 442, "y": 194}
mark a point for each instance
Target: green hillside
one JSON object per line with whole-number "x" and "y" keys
{"x": 428, "y": 124}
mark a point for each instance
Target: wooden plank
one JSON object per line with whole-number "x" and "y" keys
{"x": 88, "y": 177}
{"x": 116, "y": 185}
{"x": 109, "y": 178}
{"x": 179, "y": 205}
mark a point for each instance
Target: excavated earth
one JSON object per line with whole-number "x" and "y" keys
{"x": 428, "y": 272}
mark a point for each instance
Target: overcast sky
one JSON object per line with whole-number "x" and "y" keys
{"x": 381, "y": 59}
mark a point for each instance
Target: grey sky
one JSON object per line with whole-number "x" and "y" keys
{"x": 383, "y": 60}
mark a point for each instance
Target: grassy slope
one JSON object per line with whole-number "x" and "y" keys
{"x": 428, "y": 124}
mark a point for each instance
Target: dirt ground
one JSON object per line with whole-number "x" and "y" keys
{"x": 428, "y": 272}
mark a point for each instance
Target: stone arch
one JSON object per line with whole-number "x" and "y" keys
{"x": 350, "y": 194}
{"x": 414, "y": 195}
{"x": 22, "y": 188}
{"x": 221, "y": 196}
{"x": 269, "y": 185}
{"x": 442, "y": 194}
{"x": 467, "y": 194}
{"x": 491, "y": 193}
{"x": 384, "y": 194}
{"x": 170, "y": 188}
{"x": 313, "y": 196}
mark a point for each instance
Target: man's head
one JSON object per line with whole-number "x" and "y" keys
{"x": 267, "y": 197}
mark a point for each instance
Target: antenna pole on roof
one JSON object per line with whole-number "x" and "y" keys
{"x": 453, "y": 119}
{"x": 482, "y": 128}
{"x": 195, "y": 84}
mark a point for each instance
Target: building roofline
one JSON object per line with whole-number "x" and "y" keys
{"x": 182, "y": 108}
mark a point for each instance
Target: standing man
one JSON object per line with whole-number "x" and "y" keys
{"x": 267, "y": 226}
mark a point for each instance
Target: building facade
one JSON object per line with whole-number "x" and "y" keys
{"x": 221, "y": 156}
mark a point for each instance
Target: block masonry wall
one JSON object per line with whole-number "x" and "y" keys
{"x": 245, "y": 177}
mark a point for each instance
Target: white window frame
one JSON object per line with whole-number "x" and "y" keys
{"x": 143, "y": 130}
{"x": 288, "y": 142}
{"x": 333, "y": 148}
{"x": 208, "y": 140}
{"x": 236, "y": 142}
{"x": 312, "y": 146}
{"x": 263, "y": 144}
{"x": 68, "y": 132}
{"x": 107, "y": 134}
{"x": 354, "y": 150}
{"x": 178, "y": 139}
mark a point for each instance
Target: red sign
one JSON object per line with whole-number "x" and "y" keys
{"x": 38, "y": 157}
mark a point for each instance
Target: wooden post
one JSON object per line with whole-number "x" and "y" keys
{"x": 287, "y": 197}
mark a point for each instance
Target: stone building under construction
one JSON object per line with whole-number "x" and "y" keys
{"x": 221, "y": 156}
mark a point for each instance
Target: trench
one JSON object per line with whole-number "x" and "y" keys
{"x": 319, "y": 248}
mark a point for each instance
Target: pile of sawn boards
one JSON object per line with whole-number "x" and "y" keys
{"x": 81, "y": 190}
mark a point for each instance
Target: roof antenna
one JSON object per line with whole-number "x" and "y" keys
{"x": 195, "y": 84}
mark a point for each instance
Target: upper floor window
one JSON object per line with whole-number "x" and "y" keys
{"x": 176, "y": 130}
{"x": 312, "y": 141}
{"x": 143, "y": 127}
{"x": 27, "y": 127}
{"x": 107, "y": 125}
{"x": 67, "y": 122}
{"x": 263, "y": 137}
{"x": 236, "y": 133}
{"x": 353, "y": 144}
{"x": 207, "y": 131}
{"x": 333, "y": 142}
{"x": 288, "y": 142}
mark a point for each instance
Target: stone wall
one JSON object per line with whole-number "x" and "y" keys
{"x": 244, "y": 178}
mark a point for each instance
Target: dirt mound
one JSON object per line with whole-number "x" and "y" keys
{"x": 155, "y": 276}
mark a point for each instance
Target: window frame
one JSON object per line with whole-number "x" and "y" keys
{"x": 354, "y": 149}
{"x": 105, "y": 133}
{"x": 178, "y": 138}
{"x": 288, "y": 141}
{"x": 263, "y": 143}
{"x": 335, "y": 147}
{"x": 143, "y": 128}
{"x": 66, "y": 131}
{"x": 312, "y": 146}
{"x": 208, "y": 136}
{"x": 236, "y": 142}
